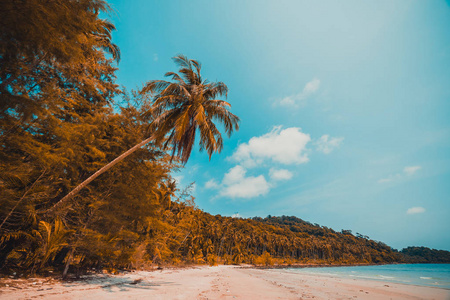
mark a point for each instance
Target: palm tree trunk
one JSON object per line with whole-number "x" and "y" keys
{"x": 58, "y": 205}
{"x": 69, "y": 260}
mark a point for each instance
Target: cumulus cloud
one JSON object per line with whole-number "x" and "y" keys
{"x": 278, "y": 147}
{"x": 280, "y": 174}
{"x": 296, "y": 99}
{"x": 236, "y": 184}
{"x": 407, "y": 171}
{"x": 415, "y": 210}
{"x": 327, "y": 144}
{"x": 285, "y": 146}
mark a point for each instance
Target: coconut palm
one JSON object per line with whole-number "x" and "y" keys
{"x": 180, "y": 108}
{"x": 188, "y": 104}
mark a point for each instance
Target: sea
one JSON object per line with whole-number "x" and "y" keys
{"x": 437, "y": 275}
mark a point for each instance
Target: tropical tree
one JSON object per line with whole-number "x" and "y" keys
{"x": 57, "y": 84}
{"x": 180, "y": 108}
{"x": 188, "y": 104}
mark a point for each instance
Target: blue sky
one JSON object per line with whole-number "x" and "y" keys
{"x": 344, "y": 107}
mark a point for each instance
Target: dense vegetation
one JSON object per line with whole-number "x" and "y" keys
{"x": 62, "y": 118}
{"x": 268, "y": 241}
{"x": 425, "y": 255}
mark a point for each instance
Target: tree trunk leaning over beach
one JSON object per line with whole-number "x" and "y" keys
{"x": 75, "y": 191}
{"x": 181, "y": 108}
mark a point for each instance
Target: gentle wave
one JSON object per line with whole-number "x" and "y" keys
{"x": 417, "y": 274}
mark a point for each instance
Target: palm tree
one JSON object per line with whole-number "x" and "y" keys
{"x": 189, "y": 104}
{"x": 180, "y": 108}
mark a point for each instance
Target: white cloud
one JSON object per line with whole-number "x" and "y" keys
{"x": 236, "y": 215}
{"x": 280, "y": 174}
{"x": 211, "y": 184}
{"x": 155, "y": 57}
{"x": 390, "y": 178}
{"x": 411, "y": 170}
{"x": 285, "y": 146}
{"x": 278, "y": 147}
{"x": 236, "y": 185}
{"x": 326, "y": 144}
{"x": 234, "y": 174}
{"x": 312, "y": 86}
{"x": 415, "y": 210}
{"x": 407, "y": 171}
{"x": 294, "y": 100}
{"x": 386, "y": 180}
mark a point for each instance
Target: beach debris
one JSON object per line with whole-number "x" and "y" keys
{"x": 136, "y": 281}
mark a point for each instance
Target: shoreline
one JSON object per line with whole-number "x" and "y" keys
{"x": 301, "y": 266}
{"x": 55, "y": 276}
{"x": 219, "y": 282}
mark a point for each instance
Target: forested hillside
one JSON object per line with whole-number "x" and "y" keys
{"x": 272, "y": 240}
{"x": 425, "y": 255}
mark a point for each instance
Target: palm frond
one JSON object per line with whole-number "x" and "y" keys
{"x": 176, "y": 77}
{"x": 181, "y": 61}
{"x": 154, "y": 86}
{"x": 215, "y": 89}
{"x": 198, "y": 67}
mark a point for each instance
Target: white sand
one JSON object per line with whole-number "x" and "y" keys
{"x": 222, "y": 282}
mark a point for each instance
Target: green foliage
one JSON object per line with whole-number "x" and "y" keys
{"x": 51, "y": 239}
{"x": 57, "y": 126}
{"x": 264, "y": 259}
{"x": 274, "y": 240}
{"x": 424, "y": 255}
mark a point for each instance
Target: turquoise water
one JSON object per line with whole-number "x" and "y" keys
{"x": 437, "y": 275}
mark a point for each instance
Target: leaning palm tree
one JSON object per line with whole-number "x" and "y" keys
{"x": 186, "y": 105}
{"x": 181, "y": 108}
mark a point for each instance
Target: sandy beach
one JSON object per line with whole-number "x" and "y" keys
{"x": 221, "y": 282}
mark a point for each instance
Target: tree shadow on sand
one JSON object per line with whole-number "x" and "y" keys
{"x": 117, "y": 284}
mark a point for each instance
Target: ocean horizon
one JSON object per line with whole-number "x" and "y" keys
{"x": 436, "y": 275}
